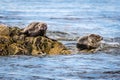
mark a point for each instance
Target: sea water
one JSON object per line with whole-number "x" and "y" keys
{"x": 75, "y": 17}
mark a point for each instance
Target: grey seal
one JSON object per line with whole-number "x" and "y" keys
{"x": 89, "y": 42}
{"x": 35, "y": 29}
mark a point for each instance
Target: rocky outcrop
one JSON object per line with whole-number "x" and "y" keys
{"x": 12, "y": 42}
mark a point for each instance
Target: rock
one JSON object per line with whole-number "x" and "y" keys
{"x": 14, "y": 31}
{"x": 58, "y": 48}
{"x": 3, "y": 50}
{"x": 15, "y": 43}
{"x": 9, "y": 31}
{"x": 4, "y": 30}
{"x": 18, "y": 49}
{"x": 5, "y": 40}
{"x": 42, "y": 45}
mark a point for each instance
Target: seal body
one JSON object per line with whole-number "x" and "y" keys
{"x": 89, "y": 42}
{"x": 35, "y": 29}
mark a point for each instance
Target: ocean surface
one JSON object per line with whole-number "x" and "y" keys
{"x": 67, "y": 20}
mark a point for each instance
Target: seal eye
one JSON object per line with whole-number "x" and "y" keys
{"x": 92, "y": 41}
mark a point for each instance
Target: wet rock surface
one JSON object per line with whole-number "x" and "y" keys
{"x": 12, "y": 42}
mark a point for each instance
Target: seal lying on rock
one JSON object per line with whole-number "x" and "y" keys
{"x": 35, "y": 29}
{"x": 13, "y": 43}
{"x": 89, "y": 43}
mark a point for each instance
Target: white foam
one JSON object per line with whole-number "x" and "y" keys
{"x": 105, "y": 44}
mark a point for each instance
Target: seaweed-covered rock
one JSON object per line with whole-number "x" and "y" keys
{"x": 14, "y": 43}
{"x": 14, "y": 31}
{"x": 57, "y": 48}
{"x": 5, "y": 40}
{"x": 18, "y": 49}
{"x": 4, "y": 30}
{"x": 3, "y": 50}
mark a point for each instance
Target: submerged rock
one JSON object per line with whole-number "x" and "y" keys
{"x": 12, "y": 42}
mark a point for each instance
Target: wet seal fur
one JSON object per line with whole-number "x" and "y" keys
{"x": 35, "y": 29}
{"x": 89, "y": 43}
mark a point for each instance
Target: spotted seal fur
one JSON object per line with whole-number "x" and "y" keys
{"x": 35, "y": 29}
{"x": 89, "y": 42}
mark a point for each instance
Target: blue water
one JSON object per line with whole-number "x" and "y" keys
{"x": 78, "y": 17}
